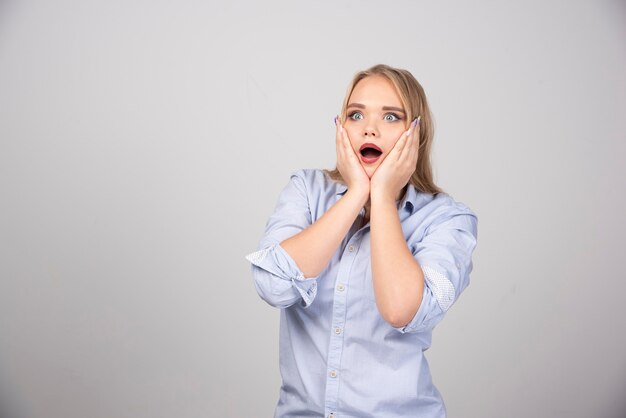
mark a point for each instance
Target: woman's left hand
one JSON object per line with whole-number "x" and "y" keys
{"x": 396, "y": 169}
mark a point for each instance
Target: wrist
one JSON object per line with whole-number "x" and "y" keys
{"x": 380, "y": 195}
{"x": 359, "y": 195}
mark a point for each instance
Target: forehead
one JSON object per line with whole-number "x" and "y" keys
{"x": 375, "y": 91}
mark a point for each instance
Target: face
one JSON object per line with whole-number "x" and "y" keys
{"x": 374, "y": 116}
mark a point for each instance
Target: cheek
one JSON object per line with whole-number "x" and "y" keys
{"x": 393, "y": 135}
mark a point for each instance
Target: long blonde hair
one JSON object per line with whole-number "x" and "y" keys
{"x": 415, "y": 104}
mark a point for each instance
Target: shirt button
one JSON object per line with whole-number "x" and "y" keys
{"x": 337, "y": 330}
{"x": 351, "y": 248}
{"x": 333, "y": 374}
{"x": 340, "y": 287}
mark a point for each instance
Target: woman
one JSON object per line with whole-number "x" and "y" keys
{"x": 365, "y": 260}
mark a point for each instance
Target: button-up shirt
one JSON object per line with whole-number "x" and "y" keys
{"x": 338, "y": 356}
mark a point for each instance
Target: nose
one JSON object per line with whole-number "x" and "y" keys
{"x": 370, "y": 130}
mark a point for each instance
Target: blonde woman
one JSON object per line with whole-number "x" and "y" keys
{"x": 365, "y": 260}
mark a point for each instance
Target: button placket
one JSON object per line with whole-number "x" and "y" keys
{"x": 336, "y": 343}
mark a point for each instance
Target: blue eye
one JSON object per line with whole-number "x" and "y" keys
{"x": 356, "y": 116}
{"x": 391, "y": 117}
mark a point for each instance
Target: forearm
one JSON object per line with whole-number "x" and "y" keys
{"x": 313, "y": 248}
{"x": 398, "y": 279}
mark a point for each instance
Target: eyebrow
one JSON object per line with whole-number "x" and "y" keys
{"x": 397, "y": 109}
{"x": 362, "y": 106}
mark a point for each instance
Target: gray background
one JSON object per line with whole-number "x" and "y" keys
{"x": 144, "y": 144}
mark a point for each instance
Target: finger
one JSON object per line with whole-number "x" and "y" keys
{"x": 399, "y": 146}
{"x": 349, "y": 156}
{"x": 413, "y": 146}
{"x": 409, "y": 153}
{"x": 339, "y": 142}
{"x": 418, "y": 131}
{"x": 405, "y": 142}
{"x": 347, "y": 144}
{"x": 416, "y": 147}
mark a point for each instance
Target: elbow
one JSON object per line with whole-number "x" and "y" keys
{"x": 398, "y": 322}
{"x": 400, "y": 309}
{"x": 277, "y": 292}
{"x": 281, "y": 301}
{"x": 398, "y": 318}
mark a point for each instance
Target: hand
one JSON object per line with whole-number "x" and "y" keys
{"x": 348, "y": 163}
{"x": 396, "y": 169}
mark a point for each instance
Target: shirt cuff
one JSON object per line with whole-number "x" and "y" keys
{"x": 279, "y": 263}
{"x": 442, "y": 288}
{"x": 429, "y": 313}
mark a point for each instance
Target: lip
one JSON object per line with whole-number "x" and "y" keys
{"x": 370, "y": 145}
{"x": 369, "y": 160}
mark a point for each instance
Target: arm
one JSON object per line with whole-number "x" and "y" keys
{"x": 415, "y": 283}
{"x": 294, "y": 249}
{"x": 313, "y": 248}
{"x": 444, "y": 254}
{"x": 397, "y": 277}
{"x": 277, "y": 278}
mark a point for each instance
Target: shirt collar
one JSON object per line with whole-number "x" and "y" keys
{"x": 409, "y": 201}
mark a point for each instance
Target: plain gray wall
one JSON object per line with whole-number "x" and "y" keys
{"x": 144, "y": 144}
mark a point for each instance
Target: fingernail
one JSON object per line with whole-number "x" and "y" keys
{"x": 418, "y": 120}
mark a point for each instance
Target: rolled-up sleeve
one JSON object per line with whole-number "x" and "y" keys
{"x": 445, "y": 256}
{"x": 277, "y": 278}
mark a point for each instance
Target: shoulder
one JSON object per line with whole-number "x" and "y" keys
{"x": 314, "y": 180}
{"x": 447, "y": 204}
{"x": 312, "y": 175}
{"x": 444, "y": 209}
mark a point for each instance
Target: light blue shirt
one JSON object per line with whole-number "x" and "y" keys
{"x": 338, "y": 356}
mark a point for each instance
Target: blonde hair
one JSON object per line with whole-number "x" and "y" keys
{"x": 415, "y": 104}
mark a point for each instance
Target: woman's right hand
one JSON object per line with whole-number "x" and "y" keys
{"x": 348, "y": 162}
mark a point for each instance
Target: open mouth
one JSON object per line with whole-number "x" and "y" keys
{"x": 370, "y": 153}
